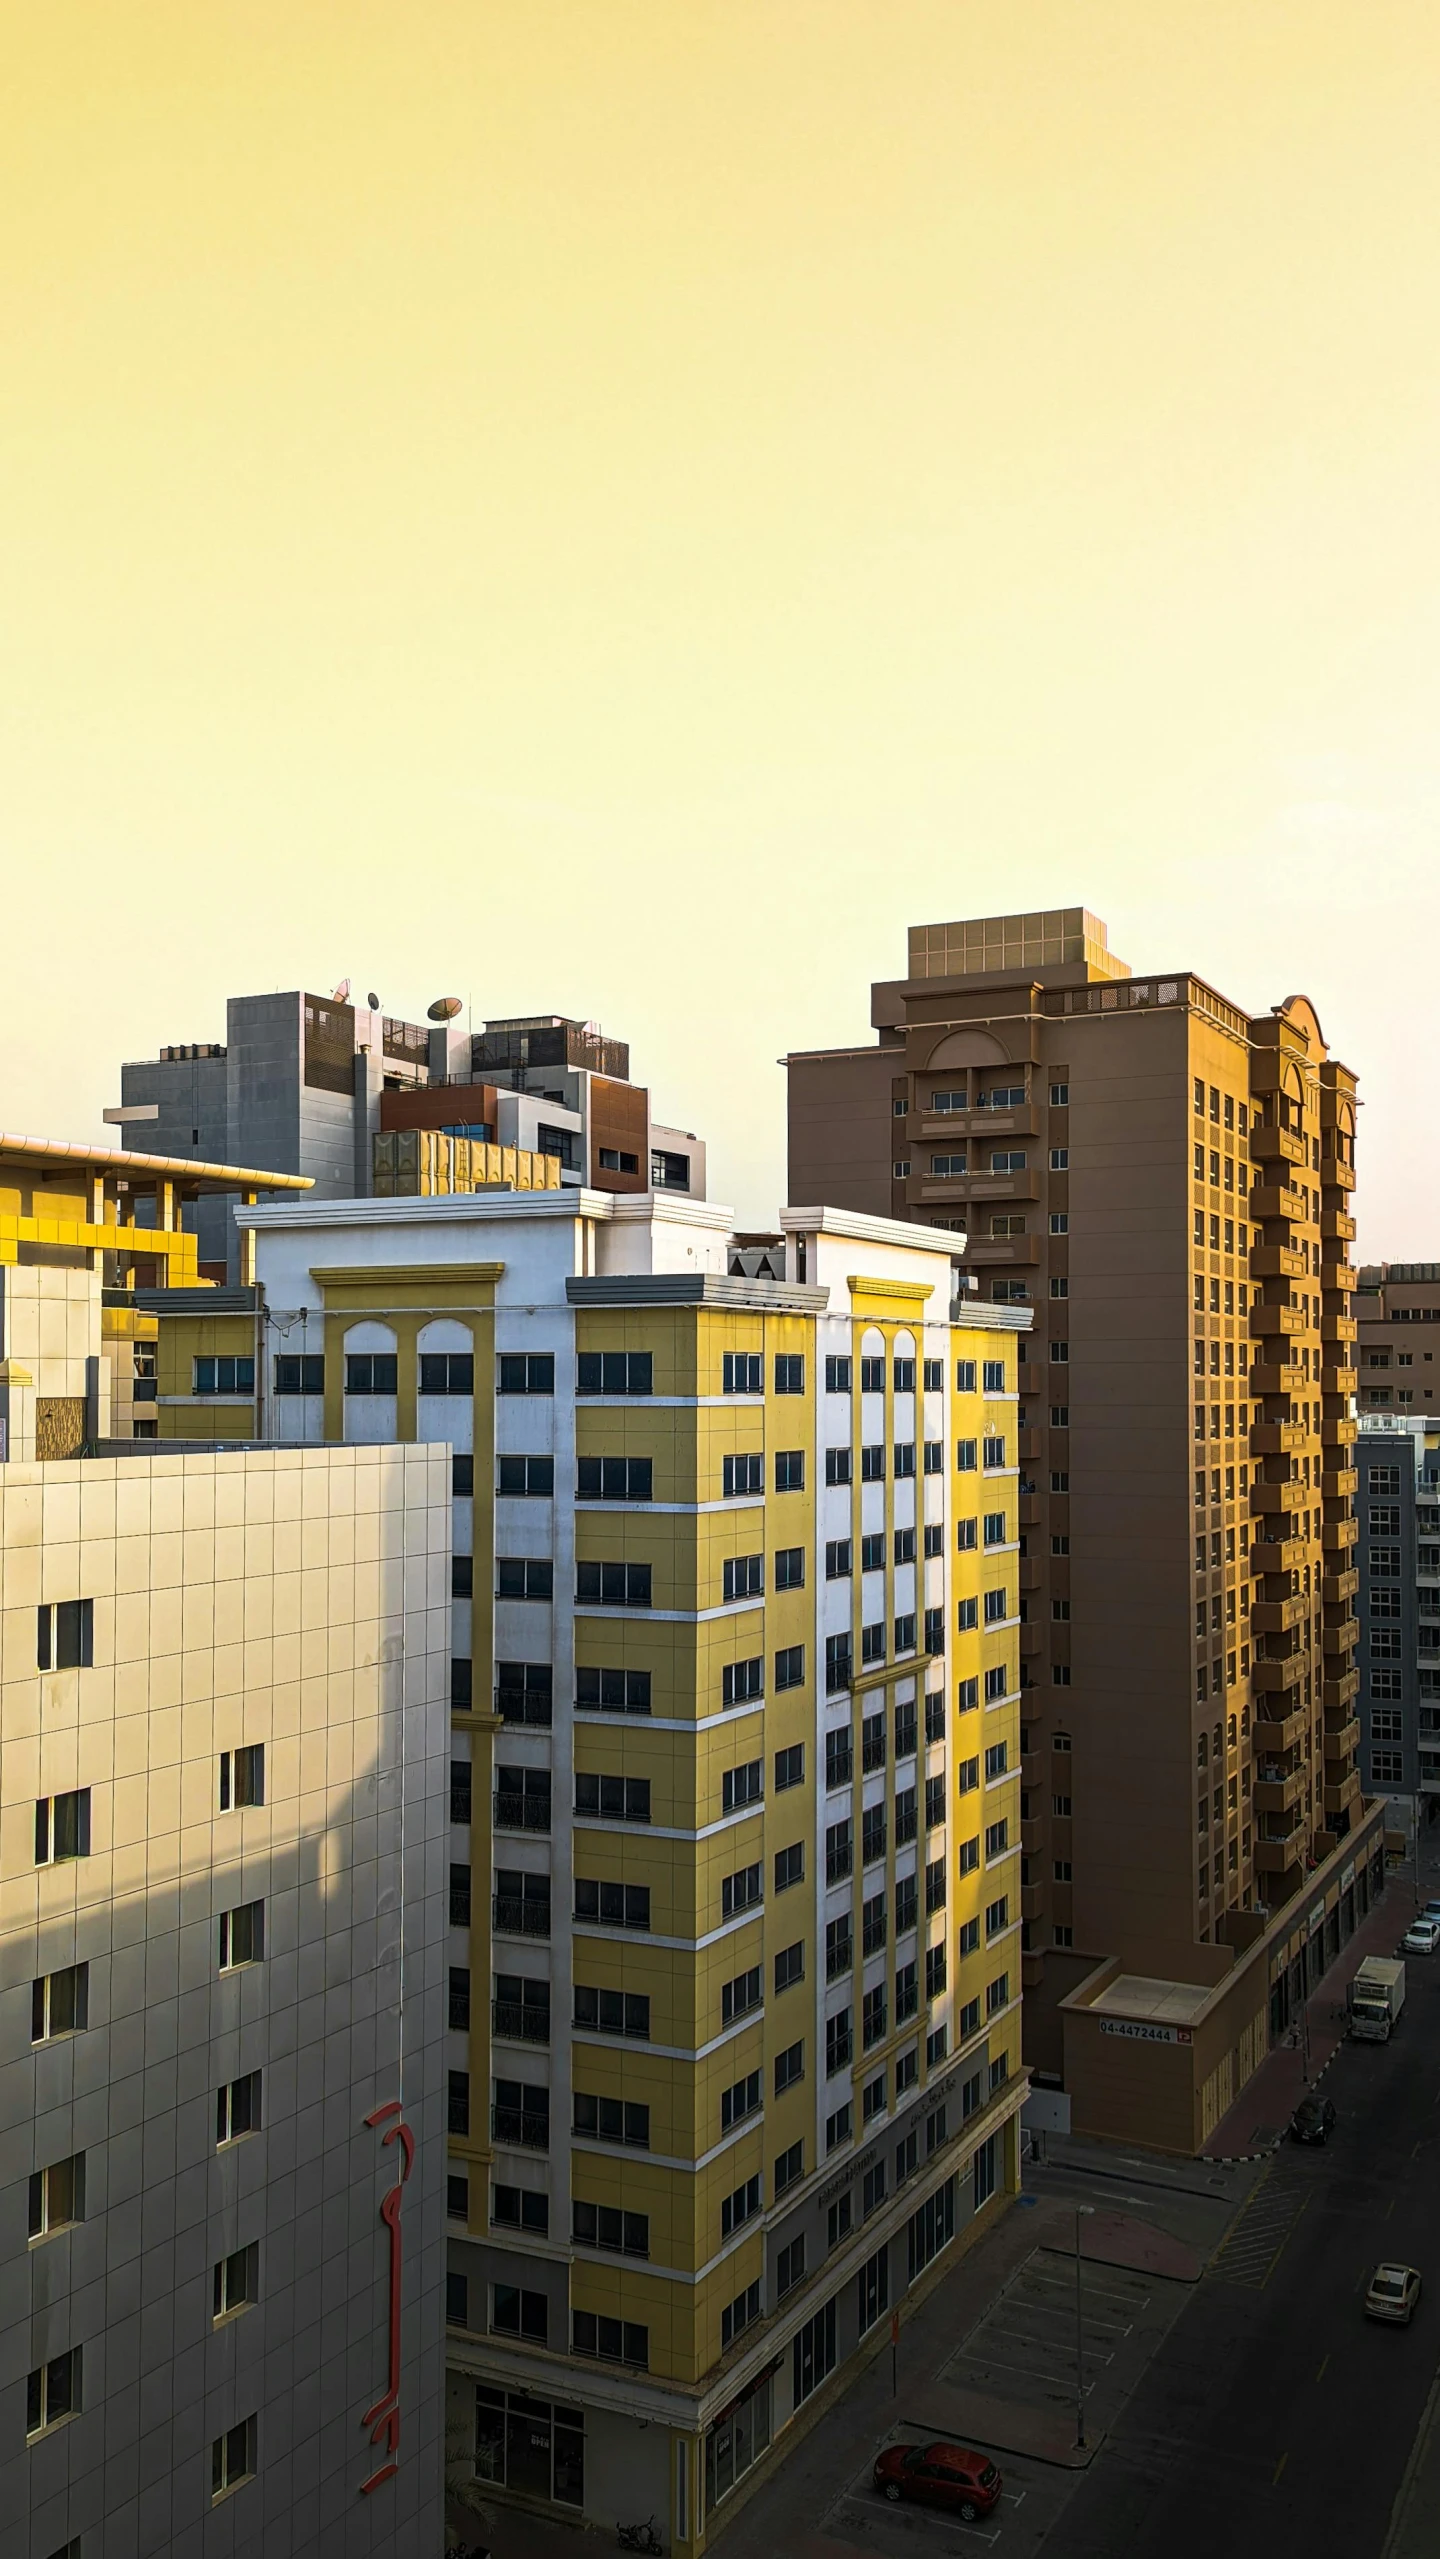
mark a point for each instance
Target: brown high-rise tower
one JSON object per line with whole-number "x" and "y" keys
{"x": 1168, "y": 1180}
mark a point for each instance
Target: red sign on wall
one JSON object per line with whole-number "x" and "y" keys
{"x": 383, "y": 2420}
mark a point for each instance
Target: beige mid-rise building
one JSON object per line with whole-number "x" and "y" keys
{"x": 1165, "y": 1180}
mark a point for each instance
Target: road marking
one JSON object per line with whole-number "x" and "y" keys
{"x": 1279, "y": 2466}
{"x": 1321, "y": 2373}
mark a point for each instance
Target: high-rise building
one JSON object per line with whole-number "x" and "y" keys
{"x": 223, "y": 1762}
{"x": 305, "y": 1084}
{"x": 1165, "y": 1180}
{"x": 1398, "y": 1455}
{"x": 1399, "y": 1360}
{"x": 734, "y": 1948}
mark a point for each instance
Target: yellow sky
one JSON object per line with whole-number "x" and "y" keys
{"x": 622, "y": 505}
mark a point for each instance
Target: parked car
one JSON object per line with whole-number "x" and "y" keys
{"x": 1421, "y": 1937}
{"x": 1313, "y": 2119}
{"x": 965, "y": 2483}
{"x": 1431, "y": 1910}
{"x": 1393, "y": 2293}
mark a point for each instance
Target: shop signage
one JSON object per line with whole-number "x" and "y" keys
{"x": 1317, "y": 1917}
{"x": 1138, "y": 2032}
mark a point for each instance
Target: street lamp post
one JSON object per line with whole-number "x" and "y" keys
{"x": 1083, "y": 2212}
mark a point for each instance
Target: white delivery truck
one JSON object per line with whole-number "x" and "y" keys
{"x": 1377, "y": 1995}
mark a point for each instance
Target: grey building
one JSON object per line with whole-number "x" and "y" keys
{"x": 304, "y": 1083}
{"x": 1398, "y": 1504}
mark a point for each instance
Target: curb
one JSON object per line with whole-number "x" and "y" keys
{"x": 1238, "y": 2158}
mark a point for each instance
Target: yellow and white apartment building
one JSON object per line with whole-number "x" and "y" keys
{"x": 224, "y": 1754}
{"x": 733, "y": 1962}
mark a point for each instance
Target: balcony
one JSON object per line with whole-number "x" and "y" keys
{"x": 1277, "y": 1498}
{"x": 983, "y": 1251}
{"x": 1272, "y": 1679}
{"x": 519, "y": 2129}
{"x": 1277, "y": 1439}
{"x": 522, "y": 1812}
{"x": 1339, "y": 1381}
{"x": 1338, "y": 1483}
{"x": 1029, "y": 1380}
{"x": 1337, "y": 1176}
{"x": 975, "y": 1187}
{"x": 1029, "y": 1510}
{"x": 1277, "y": 1261}
{"x": 1268, "y": 1319}
{"x": 1335, "y": 1223}
{"x": 1276, "y": 1199}
{"x": 1277, "y": 1377}
{"x": 1272, "y": 1145}
{"x": 1342, "y": 1637}
{"x": 519, "y": 2022}
{"x": 1339, "y": 1430}
{"x": 980, "y": 1126}
{"x": 1278, "y": 1795}
{"x": 1032, "y": 1901}
{"x": 1339, "y": 1275}
{"x": 1031, "y": 1445}
{"x": 1273, "y": 1740}
{"x": 1338, "y": 1328}
{"x": 512, "y": 1917}
{"x": 1338, "y": 1693}
{"x": 1342, "y": 1740}
{"x": 1280, "y": 1857}
{"x": 1340, "y": 1586}
{"x": 1338, "y": 1799}
{"x": 1339, "y": 1535}
{"x": 1277, "y": 1554}
{"x": 1277, "y": 1616}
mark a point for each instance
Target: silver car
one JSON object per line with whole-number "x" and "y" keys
{"x": 1393, "y": 2293}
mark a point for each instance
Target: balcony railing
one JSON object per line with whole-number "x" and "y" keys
{"x": 519, "y": 2129}
{"x": 522, "y": 1812}
{"x": 516, "y": 1918}
{"x": 519, "y": 2022}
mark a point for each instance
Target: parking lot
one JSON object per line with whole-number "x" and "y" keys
{"x": 1033, "y": 2495}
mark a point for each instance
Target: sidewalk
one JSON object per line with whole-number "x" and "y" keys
{"x": 1257, "y": 2120}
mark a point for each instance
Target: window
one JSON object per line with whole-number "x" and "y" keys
{"x": 669, "y": 1171}
{"x": 516, "y": 1373}
{"x": 994, "y": 1451}
{"x": 872, "y": 2286}
{"x": 997, "y": 1994}
{"x": 904, "y": 1454}
{"x": 607, "y": 1692}
{"x": 907, "y": 1992}
{"x": 790, "y": 1669}
{"x": 612, "y": 1585}
{"x": 237, "y": 2109}
{"x": 1059, "y": 1222}
{"x": 813, "y": 2354}
{"x": 872, "y": 1834}
{"x": 742, "y": 1475}
{"x": 838, "y": 1469}
{"x": 1007, "y": 1159}
{"x": 997, "y": 1917}
{"x": 521, "y": 1576}
{"x": 996, "y": 1609}
{"x": 62, "y": 1827}
{"x": 462, "y": 1576}
{"x": 530, "y": 1478}
{"x": 457, "y": 2301}
{"x": 744, "y": 2098}
{"x": 789, "y": 2267}
{"x": 789, "y": 1866}
{"x": 937, "y": 2045}
{"x": 738, "y": 2314}
{"x": 242, "y": 1936}
{"x": 612, "y": 1905}
{"x": 985, "y": 2171}
{"x": 740, "y": 1681}
{"x": 789, "y": 2167}
{"x": 872, "y": 1642}
{"x": 1387, "y": 1767}
{"x": 839, "y": 1852}
{"x": 789, "y": 1373}
{"x": 621, "y": 1799}
{"x": 741, "y": 1891}
{"x": 742, "y": 1373}
{"x": 303, "y": 1375}
{"x": 514, "y": 2313}
{"x": 789, "y": 1967}
{"x": 873, "y": 2016}
{"x": 462, "y": 1476}
{"x": 235, "y": 2282}
{"x": 457, "y": 2106}
{"x": 789, "y": 1767}
{"x": 997, "y": 1760}
{"x": 237, "y": 1377}
{"x": 935, "y": 1971}
{"x": 614, "y": 1373}
{"x": 790, "y": 1568}
{"x": 613, "y": 2341}
{"x": 837, "y": 1376}
{"x": 232, "y": 2458}
{"x": 839, "y": 2128}
{"x": 515, "y": 2208}
{"x": 366, "y": 1373}
{"x": 948, "y": 1167}
{"x": 969, "y": 1936}
{"x": 611, "y": 2119}
{"x": 740, "y": 2207}
{"x": 448, "y": 1373}
{"x": 65, "y": 1635}
{"x": 838, "y": 1663}
{"x": 613, "y": 1479}
{"x": 789, "y": 1470}
{"x": 872, "y": 1463}
{"x": 743, "y": 1577}
{"x": 59, "y": 2003}
{"x": 740, "y": 1996}
{"x": 57, "y": 2196}
{"x": 873, "y": 2183}
{"x": 838, "y": 2042}
{"x": 743, "y": 1785}
{"x": 967, "y": 1778}
{"x": 965, "y": 1533}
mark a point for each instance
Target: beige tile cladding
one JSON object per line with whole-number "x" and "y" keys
{"x": 297, "y": 1598}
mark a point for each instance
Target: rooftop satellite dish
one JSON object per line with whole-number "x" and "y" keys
{"x": 374, "y": 1003}
{"x": 342, "y": 992}
{"x": 444, "y": 1008}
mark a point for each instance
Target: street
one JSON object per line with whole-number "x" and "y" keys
{"x": 1275, "y": 2414}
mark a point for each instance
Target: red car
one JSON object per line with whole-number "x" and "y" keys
{"x": 966, "y": 2484}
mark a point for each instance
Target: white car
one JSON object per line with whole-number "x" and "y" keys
{"x": 1421, "y": 1937}
{"x": 1393, "y": 2293}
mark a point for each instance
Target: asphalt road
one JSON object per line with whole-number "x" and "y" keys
{"x": 1275, "y": 2416}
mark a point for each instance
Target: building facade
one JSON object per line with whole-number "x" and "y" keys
{"x": 1399, "y": 1360}
{"x": 1398, "y": 1456}
{"x": 223, "y": 1770}
{"x": 734, "y": 1954}
{"x": 305, "y": 1084}
{"x": 1165, "y": 1181}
